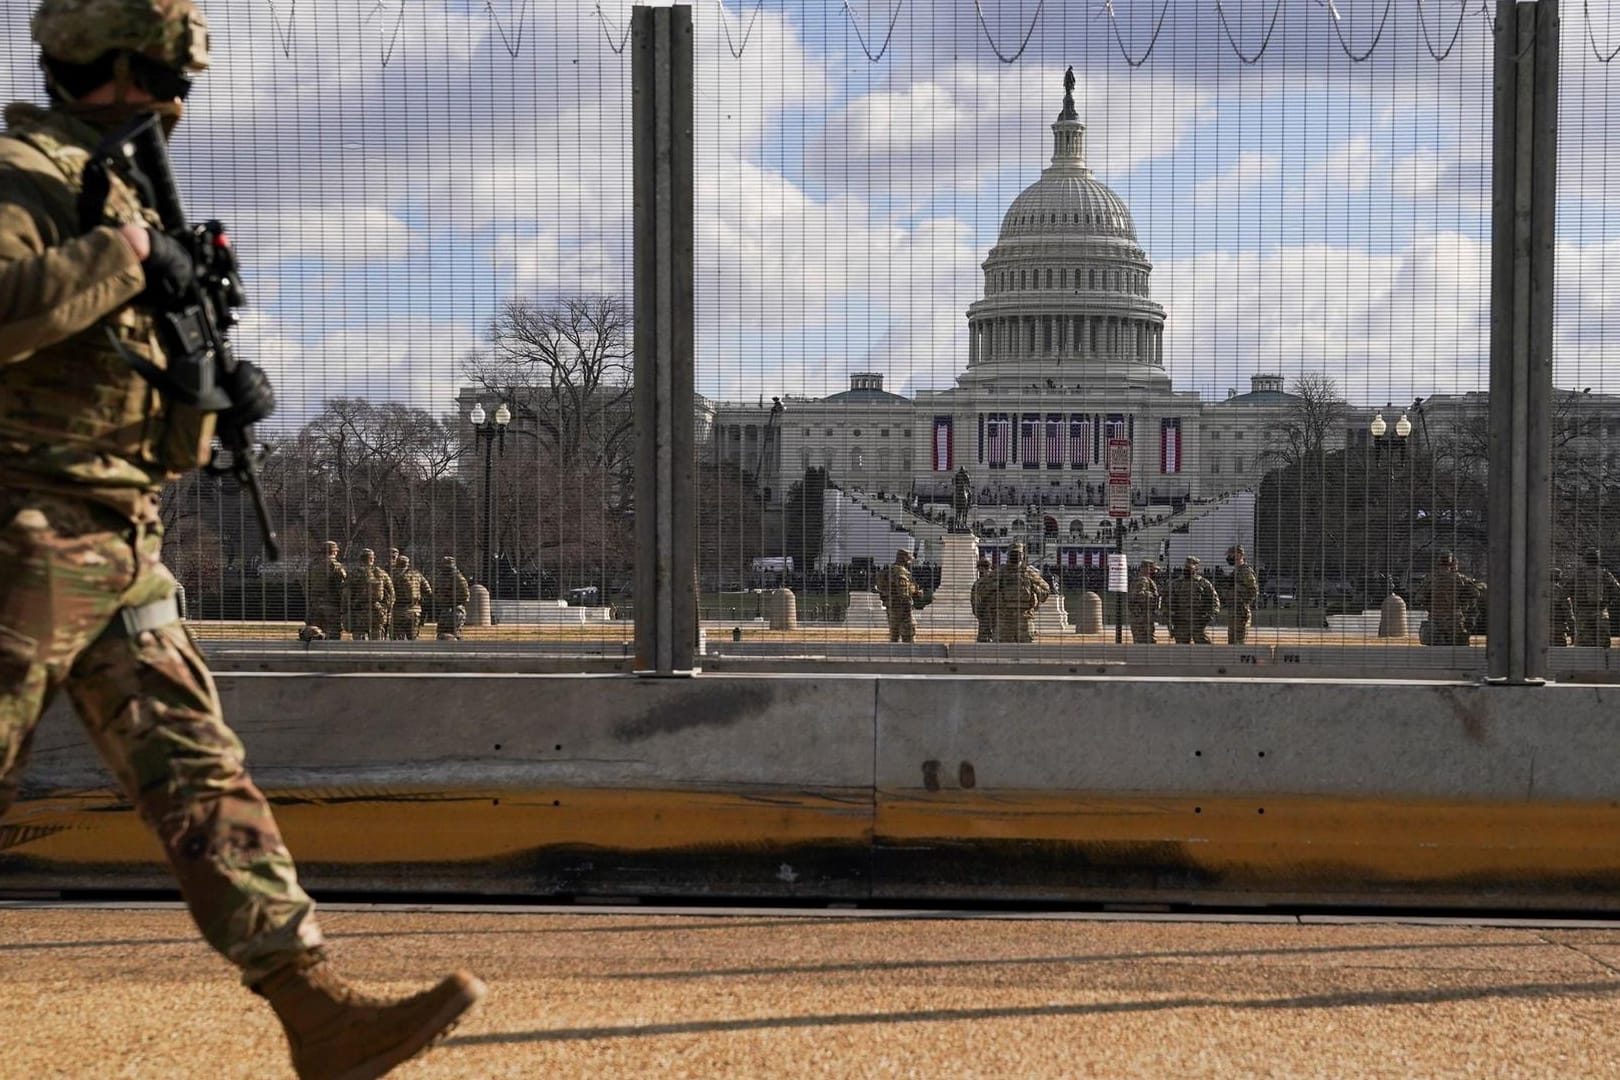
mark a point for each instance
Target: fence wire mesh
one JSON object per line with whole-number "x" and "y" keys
{"x": 976, "y": 281}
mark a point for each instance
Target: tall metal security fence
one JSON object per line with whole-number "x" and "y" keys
{"x": 1068, "y": 303}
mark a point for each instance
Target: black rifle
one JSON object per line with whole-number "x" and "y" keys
{"x": 193, "y": 336}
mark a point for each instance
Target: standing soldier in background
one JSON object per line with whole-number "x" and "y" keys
{"x": 1014, "y": 595}
{"x": 324, "y": 591}
{"x": 451, "y": 597}
{"x": 1561, "y": 616}
{"x": 979, "y": 602}
{"x": 86, "y": 604}
{"x": 1144, "y": 604}
{"x": 1592, "y": 591}
{"x": 899, "y": 591}
{"x": 393, "y": 560}
{"x": 1193, "y": 605}
{"x": 1245, "y": 591}
{"x": 410, "y": 589}
{"x": 374, "y": 600}
{"x": 1450, "y": 597}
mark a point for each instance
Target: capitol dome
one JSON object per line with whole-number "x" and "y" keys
{"x": 1067, "y": 204}
{"x": 1066, "y": 293}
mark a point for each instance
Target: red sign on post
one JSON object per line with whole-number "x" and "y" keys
{"x": 1119, "y": 459}
{"x": 1119, "y": 478}
{"x": 1119, "y": 496}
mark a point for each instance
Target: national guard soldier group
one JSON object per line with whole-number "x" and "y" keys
{"x": 86, "y": 444}
{"x": 1592, "y": 592}
{"x": 1144, "y": 604}
{"x": 371, "y": 599}
{"x": 451, "y": 597}
{"x": 411, "y": 589}
{"x": 1452, "y": 600}
{"x": 326, "y": 591}
{"x": 1245, "y": 591}
{"x": 1192, "y": 604}
{"x": 979, "y": 603}
{"x": 1015, "y": 591}
{"x": 899, "y": 591}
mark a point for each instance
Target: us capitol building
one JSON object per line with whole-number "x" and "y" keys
{"x": 1065, "y": 351}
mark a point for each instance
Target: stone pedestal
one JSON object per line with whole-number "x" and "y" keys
{"x": 1392, "y": 617}
{"x": 951, "y": 609}
{"x": 1091, "y": 614}
{"x": 782, "y": 609}
{"x": 478, "y": 608}
{"x": 865, "y": 612}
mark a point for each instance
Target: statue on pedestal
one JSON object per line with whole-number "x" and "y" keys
{"x": 961, "y": 500}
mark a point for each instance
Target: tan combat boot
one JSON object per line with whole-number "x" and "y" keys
{"x": 337, "y": 1033}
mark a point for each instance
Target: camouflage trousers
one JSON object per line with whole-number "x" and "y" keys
{"x": 407, "y": 623}
{"x": 329, "y": 617}
{"x": 1238, "y": 618}
{"x": 1592, "y": 627}
{"x": 1446, "y": 628}
{"x": 369, "y": 622}
{"x": 1015, "y": 626}
{"x": 451, "y": 622}
{"x": 147, "y": 700}
{"x": 902, "y": 627}
{"x": 1143, "y": 632}
{"x": 986, "y": 631}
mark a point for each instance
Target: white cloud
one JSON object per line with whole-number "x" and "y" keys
{"x": 957, "y": 125}
{"x": 412, "y": 359}
{"x": 1250, "y": 170}
{"x": 1349, "y": 169}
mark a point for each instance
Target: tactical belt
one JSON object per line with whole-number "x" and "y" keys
{"x": 157, "y": 614}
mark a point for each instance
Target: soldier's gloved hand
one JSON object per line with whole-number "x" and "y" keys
{"x": 169, "y": 272}
{"x": 252, "y": 396}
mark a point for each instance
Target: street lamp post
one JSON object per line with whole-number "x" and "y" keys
{"x": 1392, "y": 614}
{"x": 489, "y": 433}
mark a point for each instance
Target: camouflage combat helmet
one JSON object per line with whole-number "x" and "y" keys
{"x": 332, "y": 547}
{"x": 1015, "y": 552}
{"x": 404, "y": 562}
{"x": 1446, "y": 558}
{"x": 172, "y": 32}
{"x": 902, "y": 556}
{"x": 1235, "y": 552}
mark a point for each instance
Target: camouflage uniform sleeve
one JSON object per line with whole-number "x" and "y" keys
{"x": 49, "y": 293}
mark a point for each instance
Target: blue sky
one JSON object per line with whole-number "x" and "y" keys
{"x": 1304, "y": 213}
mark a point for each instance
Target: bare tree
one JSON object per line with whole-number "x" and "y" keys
{"x": 1301, "y": 435}
{"x": 564, "y": 366}
{"x": 364, "y": 473}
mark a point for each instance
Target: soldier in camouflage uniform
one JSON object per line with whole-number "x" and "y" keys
{"x": 324, "y": 592}
{"x": 979, "y": 602}
{"x": 1245, "y": 591}
{"x": 373, "y": 594}
{"x": 1561, "y": 611}
{"x": 1592, "y": 592}
{"x": 899, "y": 591}
{"x": 1193, "y": 604}
{"x": 1450, "y": 597}
{"x": 1016, "y": 592}
{"x": 410, "y": 590}
{"x": 1144, "y": 604}
{"x": 86, "y": 604}
{"x": 451, "y": 595}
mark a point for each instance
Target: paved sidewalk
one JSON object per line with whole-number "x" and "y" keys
{"x": 115, "y": 993}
